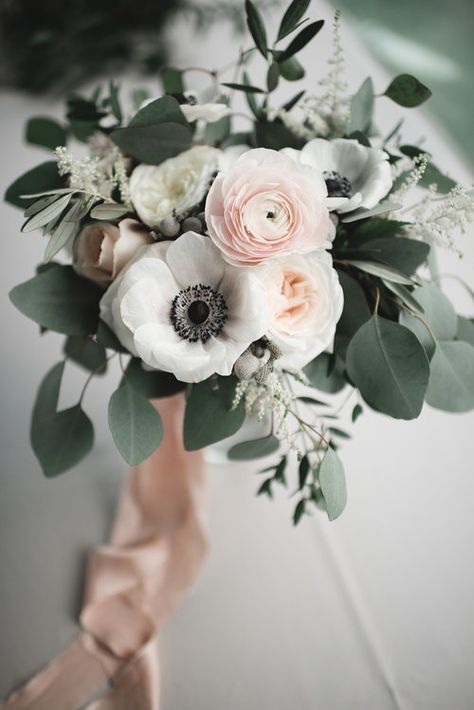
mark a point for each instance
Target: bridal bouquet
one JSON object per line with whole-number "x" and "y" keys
{"x": 257, "y": 270}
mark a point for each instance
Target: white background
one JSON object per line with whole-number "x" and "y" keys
{"x": 374, "y": 611}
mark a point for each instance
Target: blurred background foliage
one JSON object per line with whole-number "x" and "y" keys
{"x": 432, "y": 39}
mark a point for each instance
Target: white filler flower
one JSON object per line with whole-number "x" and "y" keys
{"x": 305, "y": 301}
{"x": 353, "y": 171}
{"x": 182, "y": 309}
{"x": 176, "y": 185}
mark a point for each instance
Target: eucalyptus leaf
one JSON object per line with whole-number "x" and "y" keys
{"x": 407, "y": 91}
{"x": 362, "y": 213}
{"x": 107, "y": 338}
{"x": 355, "y": 311}
{"x": 362, "y": 108}
{"x": 291, "y": 69}
{"x": 301, "y": 40}
{"x": 388, "y": 364}
{"x": 59, "y": 300}
{"x": 151, "y": 383}
{"x": 465, "y": 330}
{"x": 273, "y": 75}
{"x": 86, "y": 353}
{"x": 291, "y": 18}
{"x": 209, "y": 416}
{"x": 333, "y": 484}
{"x": 153, "y": 144}
{"x": 43, "y": 177}
{"x": 166, "y": 109}
{"x": 403, "y": 254}
{"x": 254, "y": 449}
{"x": 324, "y": 377}
{"x": 46, "y": 404}
{"x": 256, "y": 27}
{"x": 404, "y": 295}
{"x": 135, "y": 424}
{"x": 451, "y": 385}
{"x": 172, "y": 80}
{"x": 45, "y": 132}
{"x": 438, "y": 313}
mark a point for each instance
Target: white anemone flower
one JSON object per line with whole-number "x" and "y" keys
{"x": 359, "y": 174}
{"x": 182, "y": 309}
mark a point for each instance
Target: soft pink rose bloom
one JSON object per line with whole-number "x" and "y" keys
{"x": 103, "y": 249}
{"x": 305, "y": 302}
{"x": 266, "y": 205}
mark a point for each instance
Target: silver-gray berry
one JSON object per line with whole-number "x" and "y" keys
{"x": 192, "y": 224}
{"x": 169, "y": 226}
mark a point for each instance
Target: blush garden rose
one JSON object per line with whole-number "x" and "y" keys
{"x": 266, "y": 205}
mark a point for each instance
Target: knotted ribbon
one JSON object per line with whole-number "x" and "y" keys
{"x": 156, "y": 551}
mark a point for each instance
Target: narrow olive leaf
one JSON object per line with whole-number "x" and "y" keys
{"x": 114, "y": 100}
{"x": 356, "y": 412}
{"x": 404, "y": 295}
{"x": 341, "y": 433}
{"x": 301, "y": 40}
{"x": 266, "y": 488}
{"x": 299, "y": 511}
{"x": 152, "y": 144}
{"x": 273, "y": 76}
{"x": 109, "y": 211}
{"x": 322, "y": 376}
{"x": 407, "y": 91}
{"x": 209, "y": 416}
{"x": 362, "y": 108}
{"x": 45, "y": 132}
{"x": 152, "y": 384}
{"x": 43, "y": 177}
{"x": 451, "y": 385}
{"x": 254, "y": 449}
{"x": 438, "y": 313}
{"x": 402, "y": 253}
{"x": 135, "y": 424}
{"x": 465, "y": 330}
{"x": 291, "y": 70}
{"x": 279, "y": 474}
{"x": 292, "y": 102}
{"x": 384, "y": 272}
{"x": 48, "y": 213}
{"x": 312, "y": 401}
{"x": 389, "y": 366}
{"x": 59, "y": 300}
{"x": 354, "y": 313}
{"x": 247, "y": 88}
{"x": 107, "y": 338}
{"x": 256, "y": 27}
{"x": 362, "y": 213}
{"x": 292, "y": 16}
{"x": 333, "y": 484}
{"x": 86, "y": 353}
{"x": 64, "y": 231}
{"x": 39, "y": 205}
{"x": 303, "y": 470}
{"x": 45, "y": 405}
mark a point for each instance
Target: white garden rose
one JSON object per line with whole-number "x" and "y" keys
{"x": 176, "y": 185}
{"x": 359, "y": 174}
{"x": 182, "y": 309}
{"x": 305, "y": 301}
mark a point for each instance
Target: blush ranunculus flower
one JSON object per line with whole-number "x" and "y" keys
{"x": 102, "y": 249}
{"x": 305, "y": 301}
{"x": 267, "y": 205}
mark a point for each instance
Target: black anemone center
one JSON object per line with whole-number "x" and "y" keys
{"x": 337, "y": 185}
{"x": 198, "y": 312}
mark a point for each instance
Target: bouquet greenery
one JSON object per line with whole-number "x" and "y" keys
{"x": 257, "y": 271}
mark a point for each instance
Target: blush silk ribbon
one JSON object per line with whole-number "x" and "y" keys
{"x": 158, "y": 545}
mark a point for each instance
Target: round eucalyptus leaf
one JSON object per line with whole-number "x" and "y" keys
{"x": 66, "y": 438}
{"x": 135, "y": 424}
{"x": 254, "y": 449}
{"x": 451, "y": 385}
{"x": 325, "y": 374}
{"x": 438, "y": 313}
{"x": 388, "y": 364}
{"x": 333, "y": 484}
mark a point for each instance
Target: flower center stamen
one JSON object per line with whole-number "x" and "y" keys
{"x": 337, "y": 185}
{"x": 198, "y": 312}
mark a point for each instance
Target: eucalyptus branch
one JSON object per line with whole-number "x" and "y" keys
{"x": 92, "y": 374}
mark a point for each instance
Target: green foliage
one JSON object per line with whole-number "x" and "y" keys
{"x": 135, "y": 424}
{"x": 291, "y": 70}
{"x": 292, "y": 17}
{"x": 354, "y": 313}
{"x": 403, "y": 254}
{"x": 363, "y": 213}
{"x": 437, "y": 312}
{"x": 362, "y": 108}
{"x": 209, "y": 416}
{"x": 333, "y": 484}
{"x": 301, "y": 40}
{"x": 381, "y": 270}
{"x": 465, "y": 330}
{"x": 388, "y": 364}
{"x": 407, "y": 91}
{"x": 45, "y": 132}
{"x": 451, "y": 385}
{"x": 273, "y": 75}
{"x": 256, "y": 27}
{"x": 59, "y": 439}
{"x": 172, "y": 80}
{"x": 60, "y": 300}
{"x": 152, "y": 384}
{"x": 254, "y": 449}
{"x": 107, "y": 338}
{"x": 39, "y": 179}
{"x": 86, "y": 353}
{"x": 303, "y": 471}
{"x": 299, "y": 511}
{"x": 325, "y": 373}
{"x": 356, "y": 412}
{"x": 293, "y": 101}
{"x": 273, "y": 134}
